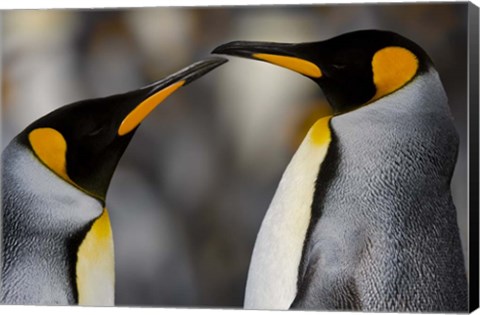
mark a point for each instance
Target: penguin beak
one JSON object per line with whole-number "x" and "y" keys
{"x": 157, "y": 92}
{"x": 280, "y": 54}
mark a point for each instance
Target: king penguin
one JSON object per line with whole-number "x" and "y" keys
{"x": 363, "y": 217}
{"x": 57, "y": 241}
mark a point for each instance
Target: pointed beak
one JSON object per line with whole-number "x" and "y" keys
{"x": 157, "y": 92}
{"x": 280, "y": 54}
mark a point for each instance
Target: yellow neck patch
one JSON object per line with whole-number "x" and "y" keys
{"x": 320, "y": 132}
{"x": 51, "y": 148}
{"x": 296, "y": 64}
{"x": 95, "y": 267}
{"x": 392, "y": 68}
{"x": 136, "y": 116}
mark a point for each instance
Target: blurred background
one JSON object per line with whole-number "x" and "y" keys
{"x": 189, "y": 195}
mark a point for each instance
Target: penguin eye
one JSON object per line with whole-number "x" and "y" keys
{"x": 339, "y": 66}
{"x": 95, "y": 131}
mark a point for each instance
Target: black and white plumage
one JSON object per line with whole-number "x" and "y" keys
{"x": 364, "y": 219}
{"x": 44, "y": 223}
{"x": 57, "y": 243}
{"x": 386, "y": 236}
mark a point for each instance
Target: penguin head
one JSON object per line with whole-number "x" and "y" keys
{"x": 352, "y": 69}
{"x": 84, "y": 141}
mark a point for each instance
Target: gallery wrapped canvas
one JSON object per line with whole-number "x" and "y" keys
{"x": 310, "y": 157}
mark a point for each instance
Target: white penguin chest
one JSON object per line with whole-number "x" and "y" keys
{"x": 95, "y": 267}
{"x": 272, "y": 278}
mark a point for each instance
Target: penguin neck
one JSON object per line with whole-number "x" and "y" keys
{"x": 273, "y": 273}
{"x": 44, "y": 222}
{"x": 411, "y": 128}
{"x": 385, "y": 179}
{"x": 424, "y": 93}
{"x": 362, "y": 135}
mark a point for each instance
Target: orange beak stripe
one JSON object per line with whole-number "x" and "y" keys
{"x": 293, "y": 63}
{"x": 137, "y": 115}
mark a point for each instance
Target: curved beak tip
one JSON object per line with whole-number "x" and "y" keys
{"x": 200, "y": 68}
{"x": 158, "y": 91}
{"x": 221, "y": 49}
{"x": 281, "y": 54}
{"x": 236, "y": 48}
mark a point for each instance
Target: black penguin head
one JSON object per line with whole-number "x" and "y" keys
{"x": 84, "y": 141}
{"x": 352, "y": 69}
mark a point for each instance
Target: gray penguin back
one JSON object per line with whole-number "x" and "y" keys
{"x": 44, "y": 221}
{"x": 384, "y": 235}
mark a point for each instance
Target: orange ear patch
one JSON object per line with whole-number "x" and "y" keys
{"x": 392, "y": 68}
{"x": 51, "y": 148}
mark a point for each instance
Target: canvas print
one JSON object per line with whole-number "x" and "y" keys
{"x": 311, "y": 157}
